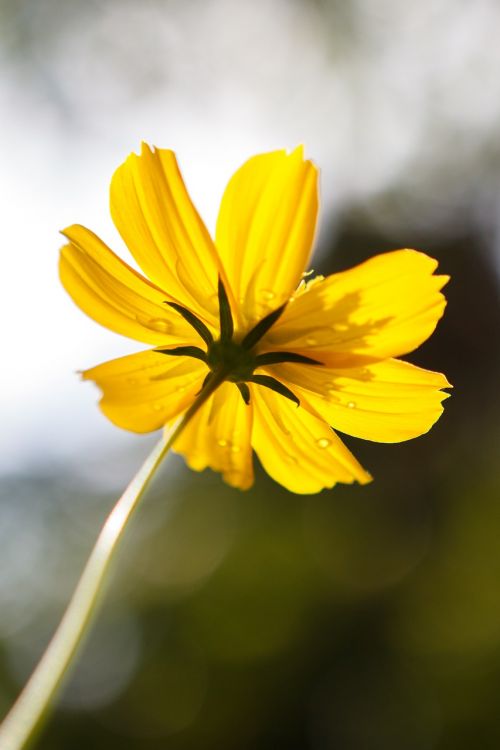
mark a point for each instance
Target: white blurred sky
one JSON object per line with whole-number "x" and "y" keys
{"x": 380, "y": 93}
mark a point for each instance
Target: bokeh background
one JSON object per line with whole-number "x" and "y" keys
{"x": 358, "y": 619}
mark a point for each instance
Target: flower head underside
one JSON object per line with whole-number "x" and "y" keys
{"x": 296, "y": 358}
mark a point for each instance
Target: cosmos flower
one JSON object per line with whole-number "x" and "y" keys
{"x": 293, "y": 358}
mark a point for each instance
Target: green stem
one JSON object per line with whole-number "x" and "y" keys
{"x": 24, "y": 721}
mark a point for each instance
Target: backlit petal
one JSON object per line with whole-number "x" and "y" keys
{"x": 382, "y": 308}
{"x": 115, "y": 295}
{"x": 265, "y": 229}
{"x": 297, "y": 449}
{"x": 161, "y": 227}
{"x": 219, "y": 437}
{"x": 144, "y": 391}
{"x": 387, "y": 402}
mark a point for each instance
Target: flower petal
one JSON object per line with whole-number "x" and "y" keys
{"x": 387, "y": 402}
{"x": 161, "y": 227}
{"x": 115, "y": 295}
{"x": 382, "y": 308}
{"x": 144, "y": 391}
{"x": 265, "y": 229}
{"x": 298, "y": 449}
{"x": 219, "y": 437}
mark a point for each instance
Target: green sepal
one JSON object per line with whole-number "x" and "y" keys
{"x": 262, "y": 327}
{"x": 193, "y": 321}
{"x": 205, "y": 382}
{"x": 276, "y": 386}
{"x": 185, "y": 351}
{"x": 275, "y": 358}
{"x": 245, "y": 392}
{"x": 225, "y": 316}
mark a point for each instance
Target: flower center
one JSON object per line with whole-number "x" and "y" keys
{"x": 233, "y": 358}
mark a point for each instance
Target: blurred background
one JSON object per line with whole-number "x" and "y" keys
{"x": 364, "y": 618}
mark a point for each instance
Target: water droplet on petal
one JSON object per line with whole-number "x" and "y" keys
{"x": 157, "y": 406}
{"x": 267, "y": 295}
{"x": 331, "y": 390}
{"x": 159, "y": 324}
{"x": 351, "y": 404}
{"x": 221, "y": 442}
{"x": 311, "y": 341}
{"x": 235, "y": 449}
{"x": 333, "y": 394}
{"x": 323, "y": 443}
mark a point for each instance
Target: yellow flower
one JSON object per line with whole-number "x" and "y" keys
{"x": 296, "y": 357}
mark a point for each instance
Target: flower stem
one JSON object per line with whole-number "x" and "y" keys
{"x": 24, "y": 721}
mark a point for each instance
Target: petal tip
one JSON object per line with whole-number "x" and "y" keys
{"x": 298, "y": 151}
{"x": 363, "y": 481}
{"x": 70, "y": 230}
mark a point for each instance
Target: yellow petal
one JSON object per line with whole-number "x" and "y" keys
{"x": 297, "y": 449}
{"x": 142, "y": 392}
{"x": 154, "y": 214}
{"x": 387, "y": 402}
{"x": 115, "y": 295}
{"x": 219, "y": 437}
{"x": 382, "y": 308}
{"x": 265, "y": 229}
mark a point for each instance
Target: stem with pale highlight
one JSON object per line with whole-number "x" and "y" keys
{"x": 25, "y": 718}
